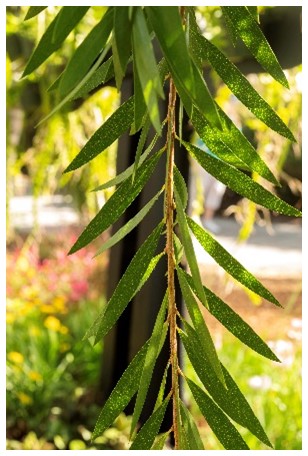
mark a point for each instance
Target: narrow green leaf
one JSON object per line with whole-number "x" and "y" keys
{"x": 181, "y": 187}
{"x": 188, "y": 247}
{"x": 86, "y": 53}
{"x": 222, "y": 427}
{"x": 229, "y": 263}
{"x": 34, "y": 11}
{"x": 109, "y": 132}
{"x": 145, "y": 63}
{"x": 127, "y": 287}
{"x": 250, "y": 33}
{"x": 139, "y": 103}
{"x": 129, "y": 226}
{"x": 240, "y": 182}
{"x": 122, "y": 393}
{"x": 230, "y": 399}
{"x": 116, "y": 204}
{"x": 239, "y": 85}
{"x": 153, "y": 263}
{"x": 178, "y": 249}
{"x": 189, "y": 82}
{"x": 149, "y": 363}
{"x": 141, "y": 143}
{"x": 100, "y": 76}
{"x": 160, "y": 441}
{"x": 70, "y": 16}
{"x": 200, "y": 326}
{"x": 231, "y": 145}
{"x": 161, "y": 392}
{"x": 146, "y": 436}
{"x": 191, "y": 430}
{"x": 121, "y": 44}
{"x": 254, "y": 12}
{"x": 234, "y": 323}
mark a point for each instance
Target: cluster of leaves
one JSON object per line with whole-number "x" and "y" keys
{"x": 129, "y": 32}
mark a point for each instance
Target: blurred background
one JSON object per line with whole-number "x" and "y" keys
{"x": 53, "y": 377}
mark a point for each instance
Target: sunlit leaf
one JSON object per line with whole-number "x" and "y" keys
{"x": 103, "y": 74}
{"x": 34, "y": 11}
{"x": 69, "y": 16}
{"x": 129, "y": 226}
{"x": 181, "y": 187}
{"x": 240, "y": 182}
{"x": 86, "y": 53}
{"x": 160, "y": 441}
{"x": 200, "y": 326}
{"x": 161, "y": 392}
{"x": 146, "y": 436}
{"x": 222, "y": 427}
{"x": 178, "y": 248}
{"x": 141, "y": 143}
{"x": 233, "y": 322}
{"x": 254, "y": 12}
{"x": 229, "y": 263}
{"x": 121, "y": 44}
{"x": 188, "y": 247}
{"x": 230, "y": 399}
{"x": 122, "y": 393}
{"x": 149, "y": 363}
{"x": 191, "y": 430}
{"x": 109, "y": 132}
{"x": 127, "y": 287}
{"x": 117, "y": 203}
{"x": 250, "y": 33}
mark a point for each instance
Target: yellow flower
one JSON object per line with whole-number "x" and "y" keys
{"x": 16, "y": 357}
{"x": 24, "y": 398}
{"x": 63, "y": 329}
{"x": 10, "y": 318}
{"x": 35, "y": 376}
{"x": 59, "y": 302}
{"x": 47, "y": 308}
{"x": 52, "y": 323}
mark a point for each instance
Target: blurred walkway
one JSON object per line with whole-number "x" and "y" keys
{"x": 266, "y": 255}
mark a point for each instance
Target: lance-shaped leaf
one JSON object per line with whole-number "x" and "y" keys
{"x": 110, "y": 131}
{"x": 181, "y": 187}
{"x": 116, "y": 204}
{"x": 127, "y": 287}
{"x": 149, "y": 363}
{"x": 222, "y": 427}
{"x": 230, "y": 399}
{"x": 34, "y": 11}
{"x": 101, "y": 75}
{"x": 121, "y": 44}
{"x": 145, "y": 64}
{"x": 239, "y": 85}
{"x": 141, "y": 143}
{"x": 161, "y": 392}
{"x": 190, "y": 428}
{"x": 146, "y": 436}
{"x": 229, "y": 263}
{"x": 233, "y": 322}
{"x": 240, "y": 182}
{"x": 254, "y": 12}
{"x": 178, "y": 249}
{"x": 160, "y": 441}
{"x": 139, "y": 103}
{"x": 188, "y": 247}
{"x": 200, "y": 326}
{"x": 86, "y": 53}
{"x": 122, "y": 393}
{"x": 189, "y": 82}
{"x": 250, "y": 33}
{"x": 69, "y": 16}
{"x": 129, "y": 226}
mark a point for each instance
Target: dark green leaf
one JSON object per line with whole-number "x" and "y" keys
{"x": 239, "y": 85}
{"x": 153, "y": 263}
{"x": 181, "y": 187}
{"x": 222, "y": 427}
{"x": 141, "y": 143}
{"x": 34, "y": 11}
{"x": 121, "y": 44}
{"x": 122, "y": 393}
{"x": 189, "y": 82}
{"x": 86, "y": 53}
{"x": 160, "y": 441}
{"x": 100, "y": 76}
{"x": 178, "y": 249}
{"x": 146, "y": 436}
{"x": 229, "y": 263}
{"x": 230, "y": 399}
{"x": 188, "y": 247}
{"x": 127, "y": 287}
{"x": 109, "y": 132}
{"x": 69, "y": 16}
{"x": 254, "y": 12}
{"x": 191, "y": 430}
{"x": 250, "y": 33}
{"x": 149, "y": 363}
{"x": 116, "y": 204}
{"x": 234, "y": 323}
{"x": 145, "y": 63}
{"x": 161, "y": 392}
{"x": 129, "y": 226}
{"x": 200, "y": 326}
{"x": 139, "y": 103}
{"x": 240, "y": 182}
